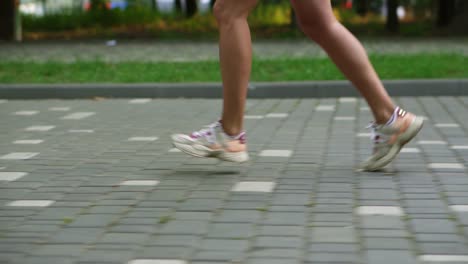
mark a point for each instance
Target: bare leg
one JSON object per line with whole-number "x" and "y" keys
{"x": 235, "y": 53}
{"x": 318, "y": 23}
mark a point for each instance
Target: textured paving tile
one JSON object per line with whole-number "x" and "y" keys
{"x": 444, "y": 258}
{"x": 276, "y": 115}
{"x": 253, "y": 187}
{"x": 19, "y": 155}
{"x": 39, "y": 128}
{"x": 30, "y": 203}
{"x": 140, "y": 101}
{"x": 26, "y": 113}
{"x": 28, "y": 141}
{"x": 275, "y": 153}
{"x": 143, "y": 139}
{"x": 11, "y": 176}
{"x": 78, "y": 115}
{"x": 379, "y": 210}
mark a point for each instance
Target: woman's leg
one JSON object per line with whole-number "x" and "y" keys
{"x": 393, "y": 126}
{"x": 319, "y": 23}
{"x": 235, "y": 54}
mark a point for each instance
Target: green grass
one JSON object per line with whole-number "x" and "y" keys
{"x": 388, "y": 67}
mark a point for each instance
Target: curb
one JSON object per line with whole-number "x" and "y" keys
{"x": 309, "y": 89}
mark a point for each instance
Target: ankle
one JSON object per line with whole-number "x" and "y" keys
{"x": 231, "y": 131}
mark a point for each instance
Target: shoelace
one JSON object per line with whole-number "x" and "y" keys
{"x": 376, "y": 137}
{"x": 207, "y": 132}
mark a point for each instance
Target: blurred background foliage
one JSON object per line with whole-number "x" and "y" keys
{"x": 68, "y": 19}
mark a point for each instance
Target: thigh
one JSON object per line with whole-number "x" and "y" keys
{"x": 313, "y": 11}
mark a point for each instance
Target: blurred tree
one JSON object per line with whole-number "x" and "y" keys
{"x": 98, "y": 5}
{"x": 190, "y": 9}
{"x": 7, "y": 19}
{"x": 362, "y": 7}
{"x": 446, "y": 12}
{"x": 392, "y": 24}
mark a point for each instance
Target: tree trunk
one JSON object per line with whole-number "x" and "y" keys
{"x": 392, "y": 17}
{"x": 362, "y": 7}
{"x": 446, "y": 12}
{"x": 7, "y": 19}
{"x": 191, "y": 7}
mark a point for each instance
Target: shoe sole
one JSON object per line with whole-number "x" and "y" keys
{"x": 404, "y": 138}
{"x": 237, "y": 157}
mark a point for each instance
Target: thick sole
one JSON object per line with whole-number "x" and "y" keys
{"x": 203, "y": 152}
{"x": 406, "y": 137}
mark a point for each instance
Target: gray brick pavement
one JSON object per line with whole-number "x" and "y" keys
{"x": 95, "y": 194}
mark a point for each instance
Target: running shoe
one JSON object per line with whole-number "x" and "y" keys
{"x": 388, "y": 139}
{"x": 212, "y": 142}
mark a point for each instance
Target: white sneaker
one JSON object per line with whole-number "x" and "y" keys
{"x": 389, "y": 139}
{"x": 212, "y": 142}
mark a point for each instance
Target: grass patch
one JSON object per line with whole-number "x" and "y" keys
{"x": 388, "y": 67}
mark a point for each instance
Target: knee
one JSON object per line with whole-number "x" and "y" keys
{"x": 228, "y": 11}
{"x": 222, "y": 14}
{"x": 316, "y": 29}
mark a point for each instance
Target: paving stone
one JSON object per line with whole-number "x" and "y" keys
{"x": 230, "y": 231}
{"x": 387, "y": 243}
{"x": 382, "y": 222}
{"x": 333, "y": 235}
{"x": 157, "y": 261}
{"x": 59, "y": 250}
{"x": 278, "y": 242}
{"x": 443, "y": 226}
{"x": 266, "y": 230}
{"x": 164, "y": 252}
{"x": 224, "y": 245}
{"x": 441, "y": 248}
{"x": 180, "y": 227}
{"x": 229, "y": 256}
{"x": 445, "y": 258}
{"x": 175, "y": 240}
{"x": 333, "y": 258}
{"x": 334, "y": 247}
{"x": 390, "y": 256}
{"x": 239, "y": 216}
{"x": 123, "y": 238}
{"x": 276, "y": 253}
{"x": 105, "y": 256}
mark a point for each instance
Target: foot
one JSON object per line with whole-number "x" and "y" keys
{"x": 212, "y": 142}
{"x": 390, "y": 138}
